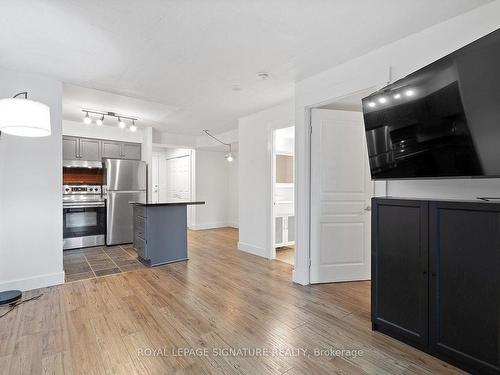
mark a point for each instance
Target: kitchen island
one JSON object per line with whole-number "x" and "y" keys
{"x": 160, "y": 232}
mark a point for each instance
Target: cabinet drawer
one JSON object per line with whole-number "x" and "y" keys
{"x": 140, "y": 211}
{"x": 140, "y": 247}
{"x": 140, "y": 224}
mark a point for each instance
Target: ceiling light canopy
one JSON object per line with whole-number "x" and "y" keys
{"x": 23, "y": 117}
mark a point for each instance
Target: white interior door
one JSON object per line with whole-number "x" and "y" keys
{"x": 178, "y": 176}
{"x": 341, "y": 190}
{"x": 155, "y": 171}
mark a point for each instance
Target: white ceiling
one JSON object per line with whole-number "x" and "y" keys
{"x": 185, "y": 56}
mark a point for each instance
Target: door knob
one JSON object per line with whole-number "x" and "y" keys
{"x": 368, "y": 208}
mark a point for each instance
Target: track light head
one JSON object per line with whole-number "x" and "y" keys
{"x": 87, "y": 120}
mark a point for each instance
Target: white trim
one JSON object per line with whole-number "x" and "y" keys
{"x": 34, "y": 282}
{"x": 255, "y": 250}
{"x": 209, "y": 226}
{"x": 271, "y": 165}
{"x": 302, "y": 196}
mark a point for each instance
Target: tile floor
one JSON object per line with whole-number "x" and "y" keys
{"x": 98, "y": 261}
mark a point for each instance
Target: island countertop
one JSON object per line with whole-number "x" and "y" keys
{"x": 171, "y": 203}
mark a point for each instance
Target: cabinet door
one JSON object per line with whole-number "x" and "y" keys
{"x": 90, "y": 149}
{"x": 131, "y": 151}
{"x": 400, "y": 269}
{"x": 111, "y": 149}
{"x": 465, "y": 284}
{"x": 70, "y": 148}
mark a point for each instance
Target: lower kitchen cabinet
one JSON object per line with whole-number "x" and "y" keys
{"x": 436, "y": 278}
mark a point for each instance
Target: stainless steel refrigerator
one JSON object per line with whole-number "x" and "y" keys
{"x": 125, "y": 182}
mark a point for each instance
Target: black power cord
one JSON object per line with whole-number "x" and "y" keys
{"x": 15, "y": 304}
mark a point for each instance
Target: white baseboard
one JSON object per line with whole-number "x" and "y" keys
{"x": 35, "y": 282}
{"x": 255, "y": 250}
{"x": 233, "y": 224}
{"x": 208, "y": 226}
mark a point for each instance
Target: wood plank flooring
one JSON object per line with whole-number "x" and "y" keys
{"x": 211, "y": 314}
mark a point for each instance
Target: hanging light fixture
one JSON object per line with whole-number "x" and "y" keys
{"x": 100, "y": 121}
{"x": 23, "y": 117}
{"x": 121, "y": 123}
{"x": 229, "y": 156}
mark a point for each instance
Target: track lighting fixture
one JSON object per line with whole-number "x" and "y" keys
{"x": 101, "y": 115}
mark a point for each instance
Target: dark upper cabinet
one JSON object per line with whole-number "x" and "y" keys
{"x": 70, "y": 148}
{"x": 131, "y": 151}
{"x": 90, "y": 149}
{"x": 436, "y": 278}
{"x": 399, "y": 271}
{"x": 465, "y": 283}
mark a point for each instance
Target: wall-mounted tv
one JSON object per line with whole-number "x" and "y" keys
{"x": 442, "y": 121}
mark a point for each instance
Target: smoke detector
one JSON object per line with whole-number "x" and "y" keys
{"x": 263, "y": 75}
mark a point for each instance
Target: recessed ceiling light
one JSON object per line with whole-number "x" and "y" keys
{"x": 382, "y": 100}
{"x": 371, "y": 104}
{"x": 397, "y": 96}
{"x": 409, "y": 92}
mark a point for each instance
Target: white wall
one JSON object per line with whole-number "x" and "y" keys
{"x": 232, "y": 194}
{"x": 30, "y": 193}
{"x": 371, "y": 70}
{"x": 212, "y": 187}
{"x": 255, "y": 175}
{"x": 79, "y": 129}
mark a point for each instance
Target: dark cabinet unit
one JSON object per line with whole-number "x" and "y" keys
{"x": 436, "y": 278}
{"x": 399, "y": 272}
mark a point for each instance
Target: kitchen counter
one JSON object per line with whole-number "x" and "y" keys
{"x": 160, "y": 232}
{"x": 171, "y": 203}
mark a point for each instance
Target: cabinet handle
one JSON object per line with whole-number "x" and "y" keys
{"x": 425, "y": 272}
{"x": 433, "y": 274}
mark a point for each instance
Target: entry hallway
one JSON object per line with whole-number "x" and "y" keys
{"x": 220, "y": 298}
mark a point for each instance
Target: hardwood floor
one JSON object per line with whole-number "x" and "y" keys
{"x": 286, "y": 254}
{"x": 147, "y": 321}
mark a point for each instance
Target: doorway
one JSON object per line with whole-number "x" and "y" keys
{"x": 283, "y": 183}
{"x": 173, "y": 176}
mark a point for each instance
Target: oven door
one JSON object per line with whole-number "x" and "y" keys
{"x": 84, "y": 221}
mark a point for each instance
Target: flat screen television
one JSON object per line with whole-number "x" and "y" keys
{"x": 442, "y": 121}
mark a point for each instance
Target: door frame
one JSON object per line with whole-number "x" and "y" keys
{"x": 271, "y": 183}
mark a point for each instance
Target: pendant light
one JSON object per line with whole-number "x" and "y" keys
{"x": 23, "y": 117}
{"x": 229, "y": 156}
